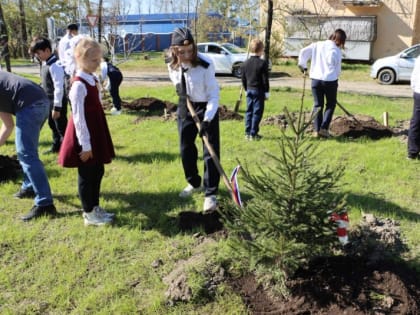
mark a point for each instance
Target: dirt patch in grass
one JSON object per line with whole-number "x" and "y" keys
{"x": 343, "y": 126}
{"x": 152, "y": 107}
{"x": 338, "y": 285}
{"x": 10, "y": 168}
{"x": 363, "y": 280}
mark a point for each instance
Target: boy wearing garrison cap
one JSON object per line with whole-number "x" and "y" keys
{"x": 194, "y": 77}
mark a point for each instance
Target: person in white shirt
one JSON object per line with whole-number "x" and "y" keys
{"x": 325, "y": 70}
{"x": 414, "y": 130}
{"x": 64, "y": 44}
{"x": 194, "y": 77}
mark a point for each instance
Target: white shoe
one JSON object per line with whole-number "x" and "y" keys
{"x": 189, "y": 190}
{"x": 210, "y": 204}
{"x": 115, "y": 111}
{"x": 95, "y": 217}
{"x": 104, "y": 213}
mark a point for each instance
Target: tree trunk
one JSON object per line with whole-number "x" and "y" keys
{"x": 268, "y": 29}
{"x": 100, "y": 20}
{"x": 416, "y": 26}
{"x": 24, "y": 43}
{"x": 4, "y": 41}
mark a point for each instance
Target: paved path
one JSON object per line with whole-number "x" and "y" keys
{"x": 369, "y": 87}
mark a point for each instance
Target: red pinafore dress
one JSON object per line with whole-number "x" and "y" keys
{"x": 100, "y": 137}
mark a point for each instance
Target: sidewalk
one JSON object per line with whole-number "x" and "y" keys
{"x": 368, "y": 87}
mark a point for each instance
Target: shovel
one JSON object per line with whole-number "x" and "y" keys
{"x": 212, "y": 152}
{"x": 348, "y": 114}
{"x": 239, "y": 101}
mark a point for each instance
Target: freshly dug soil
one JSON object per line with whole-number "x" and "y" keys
{"x": 151, "y": 106}
{"x": 10, "y": 168}
{"x": 361, "y": 281}
{"x": 342, "y": 126}
{"x": 359, "y": 126}
{"x": 339, "y": 285}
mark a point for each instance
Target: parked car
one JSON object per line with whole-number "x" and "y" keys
{"x": 227, "y": 58}
{"x": 396, "y": 68}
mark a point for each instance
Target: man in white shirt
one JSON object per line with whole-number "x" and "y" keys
{"x": 63, "y": 53}
{"x": 324, "y": 73}
{"x": 64, "y": 44}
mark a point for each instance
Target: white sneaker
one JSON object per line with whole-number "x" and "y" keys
{"x": 95, "y": 217}
{"x": 104, "y": 213}
{"x": 115, "y": 111}
{"x": 210, "y": 204}
{"x": 189, "y": 190}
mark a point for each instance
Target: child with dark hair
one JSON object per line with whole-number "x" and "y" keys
{"x": 194, "y": 77}
{"x": 115, "y": 77}
{"x": 52, "y": 81}
{"x": 27, "y": 101}
{"x": 324, "y": 73}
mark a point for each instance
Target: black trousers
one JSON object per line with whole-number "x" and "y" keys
{"x": 414, "y": 130}
{"x": 189, "y": 154}
{"x": 58, "y": 126}
{"x": 320, "y": 90}
{"x": 89, "y": 184}
{"x": 115, "y": 79}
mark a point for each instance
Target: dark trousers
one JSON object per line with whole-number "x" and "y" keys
{"x": 254, "y": 111}
{"x": 115, "y": 79}
{"x": 414, "y": 130}
{"x": 58, "y": 126}
{"x": 187, "y": 134}
{"x": 320, "y": 90}
{"x": 89, "y": 184}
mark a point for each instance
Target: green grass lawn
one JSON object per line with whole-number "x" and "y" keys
{"x": 58, "y": 266}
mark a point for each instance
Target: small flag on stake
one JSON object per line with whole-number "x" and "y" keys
{"x": 342, "y": 221}
{"x": 235, "y": 187}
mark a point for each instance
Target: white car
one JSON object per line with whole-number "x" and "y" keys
{"x": 227, "y": 58}
{"x": 396, "y": 68}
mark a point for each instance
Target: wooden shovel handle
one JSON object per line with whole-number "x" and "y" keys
{"x": 209, "y": 146}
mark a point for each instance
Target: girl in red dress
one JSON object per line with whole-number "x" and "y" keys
{"x": 87, "y": 143}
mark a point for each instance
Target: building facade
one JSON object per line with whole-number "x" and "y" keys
{"x": 375, "y": 28}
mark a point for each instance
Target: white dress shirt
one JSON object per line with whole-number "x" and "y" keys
{"x": 63, "y": 45}
{"x": 415, "y": 76}
{"x": 77, "y": 97}
{"x": 57, "y": 75}
{"x": 201, "y": 85}
{"x": 325, "y": 60}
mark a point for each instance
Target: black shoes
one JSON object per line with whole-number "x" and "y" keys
{"x": 413, "y": 156}
{"x": 25, "y": 193}
{"x": 38, "y": 211}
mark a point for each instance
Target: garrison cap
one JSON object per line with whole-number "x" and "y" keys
{"x": 181, "y": 36}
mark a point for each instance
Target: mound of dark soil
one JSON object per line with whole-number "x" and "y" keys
{"x": 363, "y": 280}
{"x": 9, "y": 168}
{"x": 153, "y": 106}
{"x": 341, "y": 126}
{"x": 339, "y": 285}
{"x": 359, "y": 126}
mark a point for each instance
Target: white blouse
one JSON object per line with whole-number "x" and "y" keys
{"x": 77, "y": 97}
{"x": 201, "y": 85}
